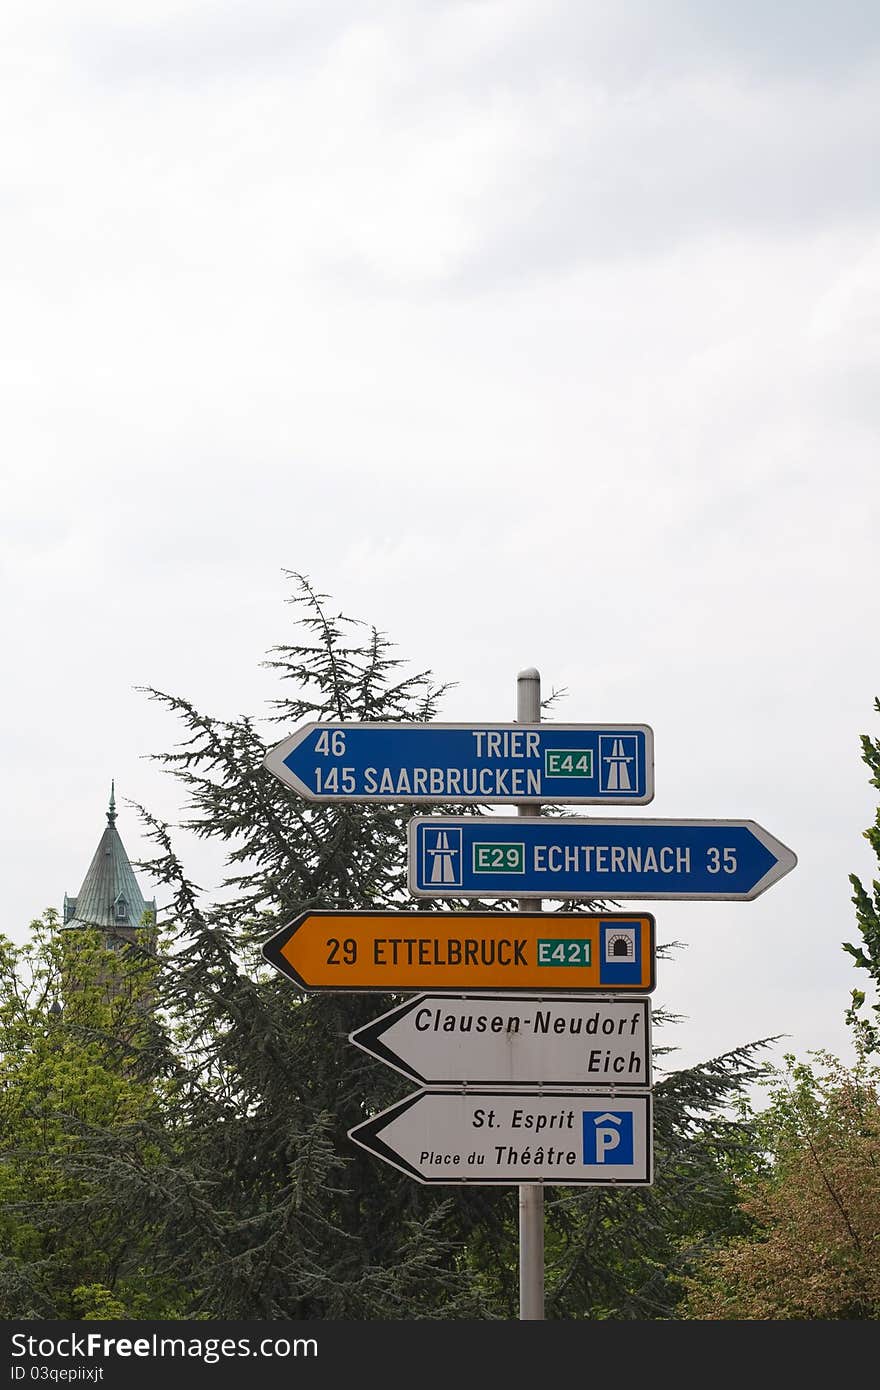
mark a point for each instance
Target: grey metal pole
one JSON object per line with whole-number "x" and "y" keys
{"x": 531, "y": 1195}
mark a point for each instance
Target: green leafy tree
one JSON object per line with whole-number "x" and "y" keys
{"x": 74, "y": 1020}
{"x": 867, "y": 905}
{"x": 813, "y": 1212}
{"x": 812, "y": 1203}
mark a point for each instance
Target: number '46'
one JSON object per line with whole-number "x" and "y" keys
{"x": 331, "y": 742}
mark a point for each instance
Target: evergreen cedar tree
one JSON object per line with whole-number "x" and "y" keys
{"x": 222, "y": 1185}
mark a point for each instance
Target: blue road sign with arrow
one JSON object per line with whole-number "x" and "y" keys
{"x": 568, "y": 857}
{"x": 487, "y": 763}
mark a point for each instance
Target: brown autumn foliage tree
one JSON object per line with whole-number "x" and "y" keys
{"x": 814, "y": 1248}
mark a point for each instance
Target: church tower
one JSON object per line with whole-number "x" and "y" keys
{"x": 110, "y": 900}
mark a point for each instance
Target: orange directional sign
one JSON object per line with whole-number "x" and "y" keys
{"x": 406, "y": 952}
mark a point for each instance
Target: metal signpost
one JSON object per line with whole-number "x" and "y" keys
{"x": 486, "y": 763}
{"x": 570, "y": 857}
{"x": 514, "y": 1040}
{"x": 388, "y": 952}
{"x": 540, "y": 1012}
{"x": 531, "y": 1195}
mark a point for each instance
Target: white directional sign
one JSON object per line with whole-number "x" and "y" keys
{"x": 527, "y": 1040}
{"x": 568, "y": 1138}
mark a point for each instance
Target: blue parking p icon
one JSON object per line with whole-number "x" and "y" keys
{"x": 608, "y": 1138}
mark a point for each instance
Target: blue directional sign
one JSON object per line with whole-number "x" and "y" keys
{"x": 487, "y": 763}
{"x": 567, "y": 857}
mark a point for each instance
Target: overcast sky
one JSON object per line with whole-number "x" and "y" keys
{"x": 535, "y": 333}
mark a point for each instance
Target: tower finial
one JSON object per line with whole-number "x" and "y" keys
{"x": 111, "y": 809}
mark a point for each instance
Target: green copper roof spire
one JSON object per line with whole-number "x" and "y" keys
{"x": 110, "y": 896}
